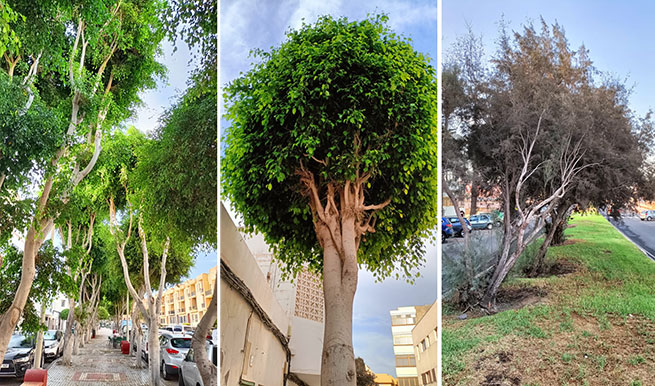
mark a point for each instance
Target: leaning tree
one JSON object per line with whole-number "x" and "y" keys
{"x": 85, "y": 63}
{"x": 335, "y": 131}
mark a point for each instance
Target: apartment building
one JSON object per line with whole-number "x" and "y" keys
{"x": 403, "y": 321}
{"x": 187, "y": 302}
{"x": 424, "y": 339}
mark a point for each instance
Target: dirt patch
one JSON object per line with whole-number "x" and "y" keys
{"x": 570, "y": 242}
{"x": 512, "y": 298}
{"x": 561, "y": 267}
{"x": 588, "y": 351}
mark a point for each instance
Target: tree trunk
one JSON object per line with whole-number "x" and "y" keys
{"x": 206, "y": 368}
{"x": 538, "y": 263}
{"x": 475, "y": 193}
{"x": 9, "y": 319}
{"x": 153, "y": 349}
{"x": 38, "y": 352}
{"x": 338, "y": 359}
{"x": 68, "y": 335}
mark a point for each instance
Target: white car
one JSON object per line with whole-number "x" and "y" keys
{"x": 173, "y": 349}
{"x": 53, "y": 344}
{"x": 189, "y": 374}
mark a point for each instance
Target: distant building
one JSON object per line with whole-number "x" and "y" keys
{"x": 186, "y": 303}
{"x": 403, "y": 321}
{"x": 424, "y": 339}
{"x": 271, "y": 328}
{"x": 385, "y": 380}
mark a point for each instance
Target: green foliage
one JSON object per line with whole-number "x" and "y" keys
{"x": 339, "y": 98}
{"x": 103, "y": 314}
{"x": 177, "y": 170}
{"x": 63, "y": 314}
{"x": 7, "y": 34}
{"x": 364, "y": 376}
{"x": 50, "y": 279}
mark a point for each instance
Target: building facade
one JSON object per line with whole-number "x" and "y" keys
{"x": 271, "y": 328}
{"x": 403, "y": 321}
{"x": 424, "y": 340}
{"x": 187, "y": 302}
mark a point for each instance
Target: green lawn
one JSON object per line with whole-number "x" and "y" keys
{"x": 594, "y": 325}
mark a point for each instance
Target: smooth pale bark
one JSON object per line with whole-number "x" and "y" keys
{"x": 151, "y": 305}
{"x": 338, "y": 358}
{"x": 38, "y": 353}
{"x": 68, "y": 334}
{"x": 9, "y": 319}
{"x": 206, "y": 367}
{"x": 339, "y": 229}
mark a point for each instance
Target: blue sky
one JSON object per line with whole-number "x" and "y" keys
{"x": 618, "y": 34}
{"x": 250, "y": 24}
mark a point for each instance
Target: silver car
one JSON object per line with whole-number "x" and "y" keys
{"x": 173, "y": 350}
{"x": 189, "y": 374}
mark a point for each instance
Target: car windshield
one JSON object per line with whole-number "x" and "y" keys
{"x": 474, "y": 218}
{"x": 19, "y": 341}
{"x": 50, "y": 335}
{"x": 181, "y": 342}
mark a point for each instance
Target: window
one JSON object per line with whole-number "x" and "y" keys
{"x": 402, "y": 339}
{"x": 405, "y": 361}
{"x": 407, "y": 381}
{"x": 397, "y": 320}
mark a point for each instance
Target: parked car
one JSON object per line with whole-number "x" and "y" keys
{"x": 189, "y": 374}
{"x": 496, "y": 217}
{"x": 19, "y": 356}
{"x": 458, "y": 231}
{"x": 144, "y": 344}
{"x": 173, "y": 349}
{"x": 481, "y": 221}
{"x": 446, "y": 229}
{"x": 53, "y": 344}
{"x": 647, "y": 215}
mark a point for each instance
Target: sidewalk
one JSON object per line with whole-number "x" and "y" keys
{"x": 100, "y": 365}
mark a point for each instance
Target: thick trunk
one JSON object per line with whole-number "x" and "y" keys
{"x": 9, "y": 319}
{"x": 505, "y": 264}
{"x": 76, "y": 340}
{"x": 38, "y": 353}
{"x": 153, "y": 349}
{"x": 206, "y": 368}
{"x": 338, "y": 361}
{"x": 475, "y": 192}
{"x": 68, "y": 334}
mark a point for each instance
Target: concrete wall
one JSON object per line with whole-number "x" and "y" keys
{"x": 306, "y": 349}
{"x": 425, "y": 329}
{"x": 248, "y": 348}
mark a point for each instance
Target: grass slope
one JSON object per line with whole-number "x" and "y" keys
{"x": 594, "y": 326}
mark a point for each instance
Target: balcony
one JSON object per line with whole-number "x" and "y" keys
{"x": 193, "y": 294}
{"x": 182, "y": 297}
{"x": 208, "y": 293}
{"x": 171, "y": 312}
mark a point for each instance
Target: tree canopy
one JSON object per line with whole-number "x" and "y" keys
{"x": 347, "y": 102}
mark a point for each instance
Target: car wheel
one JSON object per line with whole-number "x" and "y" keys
{"x": 443, "y": 237}
{"x": 164, "y": 373}
{"x": 180, "y": 378}
{"x": 648, "y": 218}
{"x": 489, "y": 226}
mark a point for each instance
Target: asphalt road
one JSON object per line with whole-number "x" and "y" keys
{"x": 16, "y": 382}
{"x": 640, "y": 232}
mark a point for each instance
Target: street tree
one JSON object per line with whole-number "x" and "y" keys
{"x": 192, "y": 121}
{"x": 540, "y": 132}
{"x": 335, "y": 131}
{"x": 86, "y": 62}
{"x": 365, "y": 377}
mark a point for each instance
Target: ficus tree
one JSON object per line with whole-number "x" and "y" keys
{"x": 192, "y": 121}
{"x": 86, "y": 62}
{"x": 331, "y": 154}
